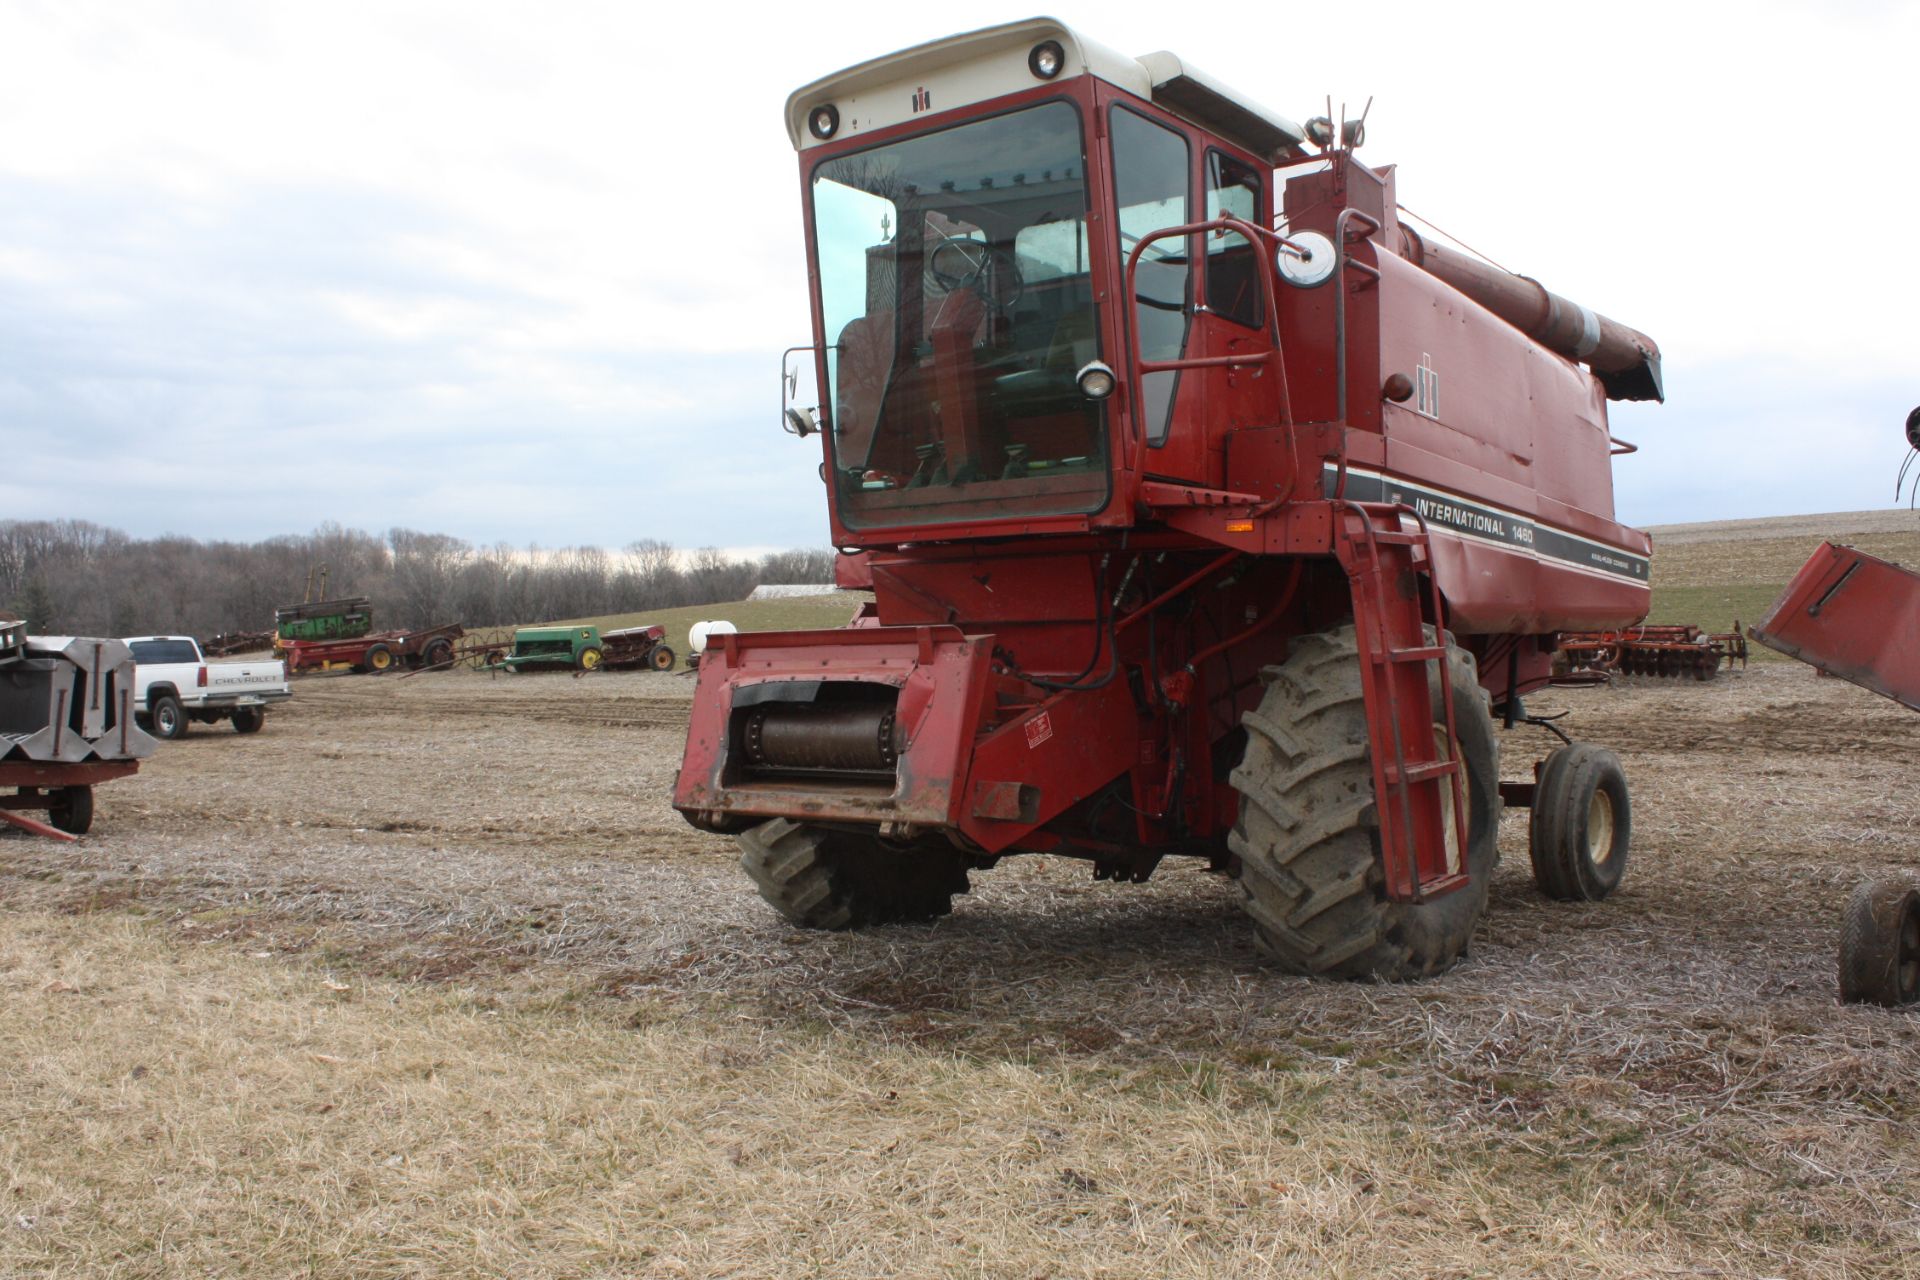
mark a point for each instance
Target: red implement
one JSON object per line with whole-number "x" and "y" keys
{"x": 1851, "y": 615}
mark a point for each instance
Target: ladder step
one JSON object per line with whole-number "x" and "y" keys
{"x": 1419, "y": 653}
{"x": 1422, "y": 772}
{"x": 1443, "y": 885}
{"x": 1400, "y": 538}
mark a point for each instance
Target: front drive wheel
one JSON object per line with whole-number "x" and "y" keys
{"x": 1308, "y": 836}
{"x": 169, "y": 718}
{"x": 249, "y": 719}
{"x": 823, "y": 879}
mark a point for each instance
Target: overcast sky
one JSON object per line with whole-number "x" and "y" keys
{"x": 523, "y": 272}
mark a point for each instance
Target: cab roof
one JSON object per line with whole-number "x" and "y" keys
{"x": 992, "y": 62}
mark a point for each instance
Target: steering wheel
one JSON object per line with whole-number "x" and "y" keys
{"x": 992, "y": 271}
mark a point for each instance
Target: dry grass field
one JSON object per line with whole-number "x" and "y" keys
{"x": 427, "y": 979}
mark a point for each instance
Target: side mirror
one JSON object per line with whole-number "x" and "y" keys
{"x": 799, "y": 422}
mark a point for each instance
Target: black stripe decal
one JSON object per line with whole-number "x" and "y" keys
{"x": 1489, "y": 524}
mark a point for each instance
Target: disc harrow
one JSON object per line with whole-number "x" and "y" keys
{"x": 1676, "y": 652}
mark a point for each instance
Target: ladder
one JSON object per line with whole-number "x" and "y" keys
{"x": 1419, "y": 783}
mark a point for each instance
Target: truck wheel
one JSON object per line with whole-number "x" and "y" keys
{"x": 822, "y": 879}
{"x": 1308, "y": 835}
{"x": 1582, "y": 824}
{"x": 589, "y": 659}
{"x": 660, "y": 658}
{"x": 378, "y": 660}
{"x": 249, "y": 719}
{"x": 169, "y": 719}
{"x": 72, "y": 810}
{"x": 1880, "y": 945}
{"x": 439, "y": 653}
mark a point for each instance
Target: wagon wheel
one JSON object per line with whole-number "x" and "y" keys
{"x": 379, "y": 659}
{"x": 1880, "y": 945}
{"x": 660, "y": 658}
{"x": 72, "y": 809}
{"x": 438, "y": 653}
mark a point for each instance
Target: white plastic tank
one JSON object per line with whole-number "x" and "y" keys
{"x": 698, "y": 633}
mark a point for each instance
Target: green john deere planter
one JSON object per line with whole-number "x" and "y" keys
{"x": 535, "y": 647}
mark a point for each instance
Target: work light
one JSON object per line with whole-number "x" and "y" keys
{"x": 1046, "y": 59}
{"x": 1096, "y": 380}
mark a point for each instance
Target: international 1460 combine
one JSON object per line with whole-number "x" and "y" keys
{"x": 1187, "y": 536}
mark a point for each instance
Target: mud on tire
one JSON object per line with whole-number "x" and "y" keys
{"x": 824, "y": 879}
{"x": 1308, "y": 835}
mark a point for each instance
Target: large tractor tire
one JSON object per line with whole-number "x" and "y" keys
{"x": 823, "y": 879}
{"x": 1308, "y": 837}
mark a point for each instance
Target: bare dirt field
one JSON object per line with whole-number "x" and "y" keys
{"x": 428, "y": 979}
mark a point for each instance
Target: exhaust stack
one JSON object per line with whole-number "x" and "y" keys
{"x": 1626, "y": 361}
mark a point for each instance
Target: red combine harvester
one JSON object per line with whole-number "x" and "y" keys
{"x": 1186, "y": 536}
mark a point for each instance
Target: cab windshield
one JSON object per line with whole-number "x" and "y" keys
{"x": 955, "y": 281}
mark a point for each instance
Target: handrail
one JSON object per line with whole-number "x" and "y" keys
{"x": 1137, "y": 368}
{"x": 1341, "y": 263}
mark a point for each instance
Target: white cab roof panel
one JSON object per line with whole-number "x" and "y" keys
{"x": 991, "y": 63}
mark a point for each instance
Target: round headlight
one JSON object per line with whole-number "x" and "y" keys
{"x": 1096, "y": 380}
{"x": 823, "y": 121}
{"x": 1046, "y": 59}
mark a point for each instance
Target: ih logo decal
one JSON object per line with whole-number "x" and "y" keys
{"x": 922, "y": 100}
{"x": 1426, "y": 388}
{"x": 1039, "y": 729}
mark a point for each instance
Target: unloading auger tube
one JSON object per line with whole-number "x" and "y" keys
{"x": 1626, "y": 361}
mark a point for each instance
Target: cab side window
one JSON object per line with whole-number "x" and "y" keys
{"x": 1150, "y": 173}
{"x": 1233, "y": 285}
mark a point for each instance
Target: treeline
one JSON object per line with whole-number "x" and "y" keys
{"x": 77, "y": 578}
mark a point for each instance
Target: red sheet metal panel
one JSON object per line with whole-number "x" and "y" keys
{"x": 1852, "y": 615}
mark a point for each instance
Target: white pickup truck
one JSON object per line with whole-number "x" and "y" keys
{"x": 173, "y": 684}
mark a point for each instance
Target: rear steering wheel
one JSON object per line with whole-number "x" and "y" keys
{"x": 992, "y": 271}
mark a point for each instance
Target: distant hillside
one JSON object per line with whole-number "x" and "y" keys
{"x": 1711, "y": 574}
{"x": 1718, "y": 571}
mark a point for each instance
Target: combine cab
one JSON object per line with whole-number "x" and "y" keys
{"x": 1188, "y": 537}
